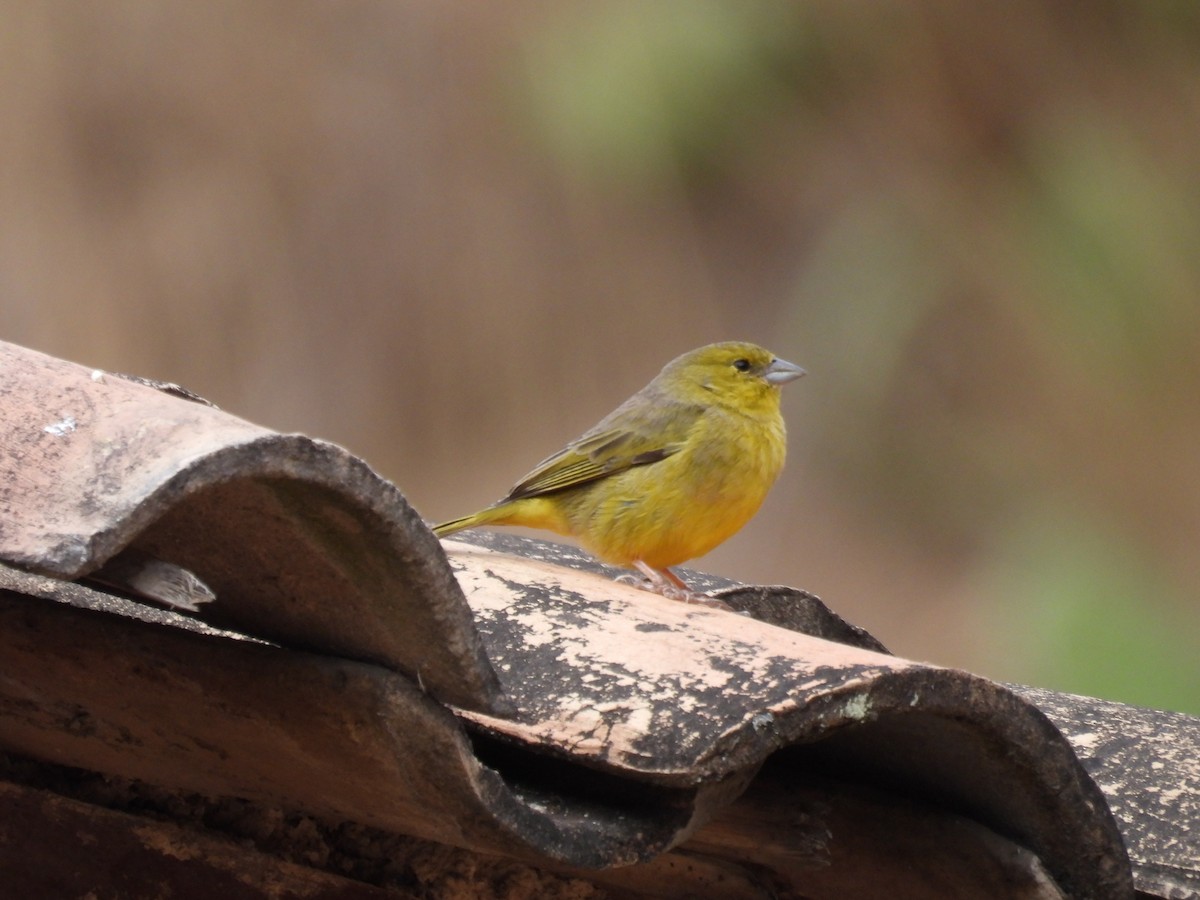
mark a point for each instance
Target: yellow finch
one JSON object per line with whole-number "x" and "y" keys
{"x": 670, "y": 473}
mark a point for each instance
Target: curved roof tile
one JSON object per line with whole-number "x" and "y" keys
{"x": 510, "y": 698}
{"x": 301, "y": 541}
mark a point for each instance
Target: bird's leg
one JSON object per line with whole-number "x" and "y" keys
{"x": 673, "y": 578}
{"x": 664, "y": 581}
{"x": 668, "y": 584}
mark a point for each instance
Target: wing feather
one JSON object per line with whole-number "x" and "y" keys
{"x": 640, "y": 432}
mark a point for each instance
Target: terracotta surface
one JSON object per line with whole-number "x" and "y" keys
{"x": 301, "y": 542}
{"x": 511, "y": 698}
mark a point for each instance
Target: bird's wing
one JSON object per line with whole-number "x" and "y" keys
{"x": 636, "y": 434}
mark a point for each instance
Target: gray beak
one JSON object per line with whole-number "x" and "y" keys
{"x": 781, "y": 371}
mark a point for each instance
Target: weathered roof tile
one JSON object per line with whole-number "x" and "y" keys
{"x": 512, "y": 698}
{"x": 301, "y": 542}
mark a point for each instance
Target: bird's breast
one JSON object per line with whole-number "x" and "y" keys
{"x": 685, "y": 505}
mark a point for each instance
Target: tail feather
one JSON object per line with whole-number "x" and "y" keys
{"x": 532, "y": 512}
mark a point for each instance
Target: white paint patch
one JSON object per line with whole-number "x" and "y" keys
{"x": 858, "y": 708}
{"x": 63, "y": 426}
{"x": 1085, "y": 740}
{"x": 1170, "y": 796}
{"x": 762, "y": 721}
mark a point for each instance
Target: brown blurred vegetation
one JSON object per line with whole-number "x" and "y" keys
{"x": 450, "y": 236}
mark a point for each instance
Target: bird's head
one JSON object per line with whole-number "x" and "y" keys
{"x": 735, "y": 374}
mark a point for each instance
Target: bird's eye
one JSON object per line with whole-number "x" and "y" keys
{"x": 741, "y": 365}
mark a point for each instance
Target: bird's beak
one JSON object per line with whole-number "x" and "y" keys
{"x": 780, "y": 371}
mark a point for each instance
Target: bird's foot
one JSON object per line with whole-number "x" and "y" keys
{"x": 667, "y": 584}
{"x": 687, "y": 595}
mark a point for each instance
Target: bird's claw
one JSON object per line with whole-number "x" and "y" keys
{"x": 697, "y": 598}
{"x": 635, "y": 580}
{"x": 681, "y": 594}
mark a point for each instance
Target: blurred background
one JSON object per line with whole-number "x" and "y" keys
{"x": 451, "y": 236}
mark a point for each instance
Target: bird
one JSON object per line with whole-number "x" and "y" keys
{"x": 668, "y": 475}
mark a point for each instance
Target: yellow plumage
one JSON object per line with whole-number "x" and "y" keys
{"x": 671, "y": 473}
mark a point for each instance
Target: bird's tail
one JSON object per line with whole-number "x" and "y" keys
{"x": 532, "y": 512}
